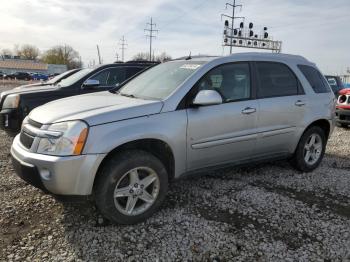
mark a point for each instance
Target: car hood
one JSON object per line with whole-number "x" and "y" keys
{"x": 29, "y": 89}
{"x": 95, "y": 109}
{"x": 31, "y": 85}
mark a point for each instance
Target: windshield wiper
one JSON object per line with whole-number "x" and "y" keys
{"x": 127, "y": 95}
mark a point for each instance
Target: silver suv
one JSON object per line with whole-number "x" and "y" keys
{"x": 180, "y": 117}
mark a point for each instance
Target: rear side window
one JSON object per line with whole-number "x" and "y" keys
{"x": 276, "y": 79}
{"x": 315, "y": 79}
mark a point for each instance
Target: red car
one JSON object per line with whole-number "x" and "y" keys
{"x": 342, "y": 112}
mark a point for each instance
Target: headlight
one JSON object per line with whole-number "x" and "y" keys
{"x": 70, "y": 142}
{"x": 11, "y": 101}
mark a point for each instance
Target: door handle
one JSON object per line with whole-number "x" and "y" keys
{"x": 299, "y": 103}
{"x": 248, "y": 110}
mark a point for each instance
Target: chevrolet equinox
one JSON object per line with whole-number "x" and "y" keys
{"x": 184, "y": 116}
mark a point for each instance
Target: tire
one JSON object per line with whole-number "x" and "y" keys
{"x": 298, "y": 160}
{"x": 344, "y": 125}
{"x": 119, "y": 173}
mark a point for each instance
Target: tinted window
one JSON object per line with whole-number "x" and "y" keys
{"x": 110, "y": 76}
{"x": 116, "y": 76}
{"x": 232, "y": 81}
{"x": 275, "y": 79}
{"x": 315, "y": 79}
{"x": 101, "y": 77}
{"x": 131, "y": 71}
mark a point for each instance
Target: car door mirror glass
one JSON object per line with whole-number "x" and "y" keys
{"x": 91, "y": 83}
{"x": 207, "y": 97}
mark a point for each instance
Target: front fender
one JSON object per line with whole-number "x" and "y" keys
{"x": 168, "y": 127}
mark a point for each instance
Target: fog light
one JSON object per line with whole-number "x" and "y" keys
{"x": 45, "y": 174}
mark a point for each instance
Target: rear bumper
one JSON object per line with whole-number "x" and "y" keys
{"x": 10, "y": 121}
{"x": 72, "y": 175}
{"x": 342, "y": 116}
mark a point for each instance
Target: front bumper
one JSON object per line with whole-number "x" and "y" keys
{"x": 72, "y": 175}
{"x": 342, "y": 116}
{"x": 10, "y": 120}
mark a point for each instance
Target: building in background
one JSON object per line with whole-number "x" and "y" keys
{"x": 10, "y": 65}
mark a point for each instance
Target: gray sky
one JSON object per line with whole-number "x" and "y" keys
{"x": 316, "y": 29}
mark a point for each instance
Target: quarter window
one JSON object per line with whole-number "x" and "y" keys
{"x": 232, "y": 81}
{"x": 315, "y": 79}
{"x": 276, "y": 79}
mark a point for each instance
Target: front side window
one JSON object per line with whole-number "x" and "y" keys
{"x": 276, "y": 79}
{"x": 232, "y": 81}
{"x": 110, "y": 76}
{"x": 101, "y": 77}
{"x": 160, "y": 81}
{"x": 315, "y": 79}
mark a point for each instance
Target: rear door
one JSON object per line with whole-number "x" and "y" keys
{"x": 282, "y": 104}
{"x": 223, "y": 133}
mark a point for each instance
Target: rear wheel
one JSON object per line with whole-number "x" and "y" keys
{"x": 130, "y": 187}
{"x": 310, "y": 150}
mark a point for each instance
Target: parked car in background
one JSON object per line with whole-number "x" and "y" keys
{"x": 19, "y": 76}
{"x": 53, "y": 81}
{"x": 342, "y": 112}
{"x": 335, "y": 83}
{"x": 177, "y": 118}
{"x": 16, "y": 104}
{"x": 41, "y": 77}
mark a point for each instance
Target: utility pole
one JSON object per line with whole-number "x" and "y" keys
{"x": 150, "y": 34}
{"x": 117, "y": 56}
{"x": 99, "y": 55}
{"x": 123, "y": 45}
{"x": 233, "y": 5}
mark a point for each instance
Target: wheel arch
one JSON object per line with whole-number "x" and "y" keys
{"x": 156, "y": 147}
{"x": 322, "y": 123}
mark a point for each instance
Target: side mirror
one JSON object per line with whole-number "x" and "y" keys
{"x": 91, "y": 83}
{"x": 207, "y": 98}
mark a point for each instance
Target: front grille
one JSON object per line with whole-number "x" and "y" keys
{"x": 26, "y": 139}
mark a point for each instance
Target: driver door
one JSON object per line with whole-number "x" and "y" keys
{"x": 223, "y": 133}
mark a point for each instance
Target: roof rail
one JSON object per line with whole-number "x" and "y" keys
{"x": 142, "y": 62}
{"x": 193, "y": 57}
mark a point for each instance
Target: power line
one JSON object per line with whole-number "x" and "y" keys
{"x": 123, "y": 45}
{"x": 150, "y": 35}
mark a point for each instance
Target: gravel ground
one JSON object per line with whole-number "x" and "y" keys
{"x": 265, "y": 212}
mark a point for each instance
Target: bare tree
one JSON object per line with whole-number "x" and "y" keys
{"x": 163, "y": 57}
{"x": 62, "y": 54}
{"x": 6, "y": 51}
{"x": 141, "y": 57}
{"x": 27, "y": 51}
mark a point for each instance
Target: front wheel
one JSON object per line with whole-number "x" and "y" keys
{"x": 130, "y": 187}
{"x": 310, "y": 150}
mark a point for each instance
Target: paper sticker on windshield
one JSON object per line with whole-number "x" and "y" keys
{"x": 190, "y": 66}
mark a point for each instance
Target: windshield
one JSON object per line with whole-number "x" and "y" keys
{"x": 160, "y": 81}
{"x": 75, "y": 77}
{"x": 59, "y": 77}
